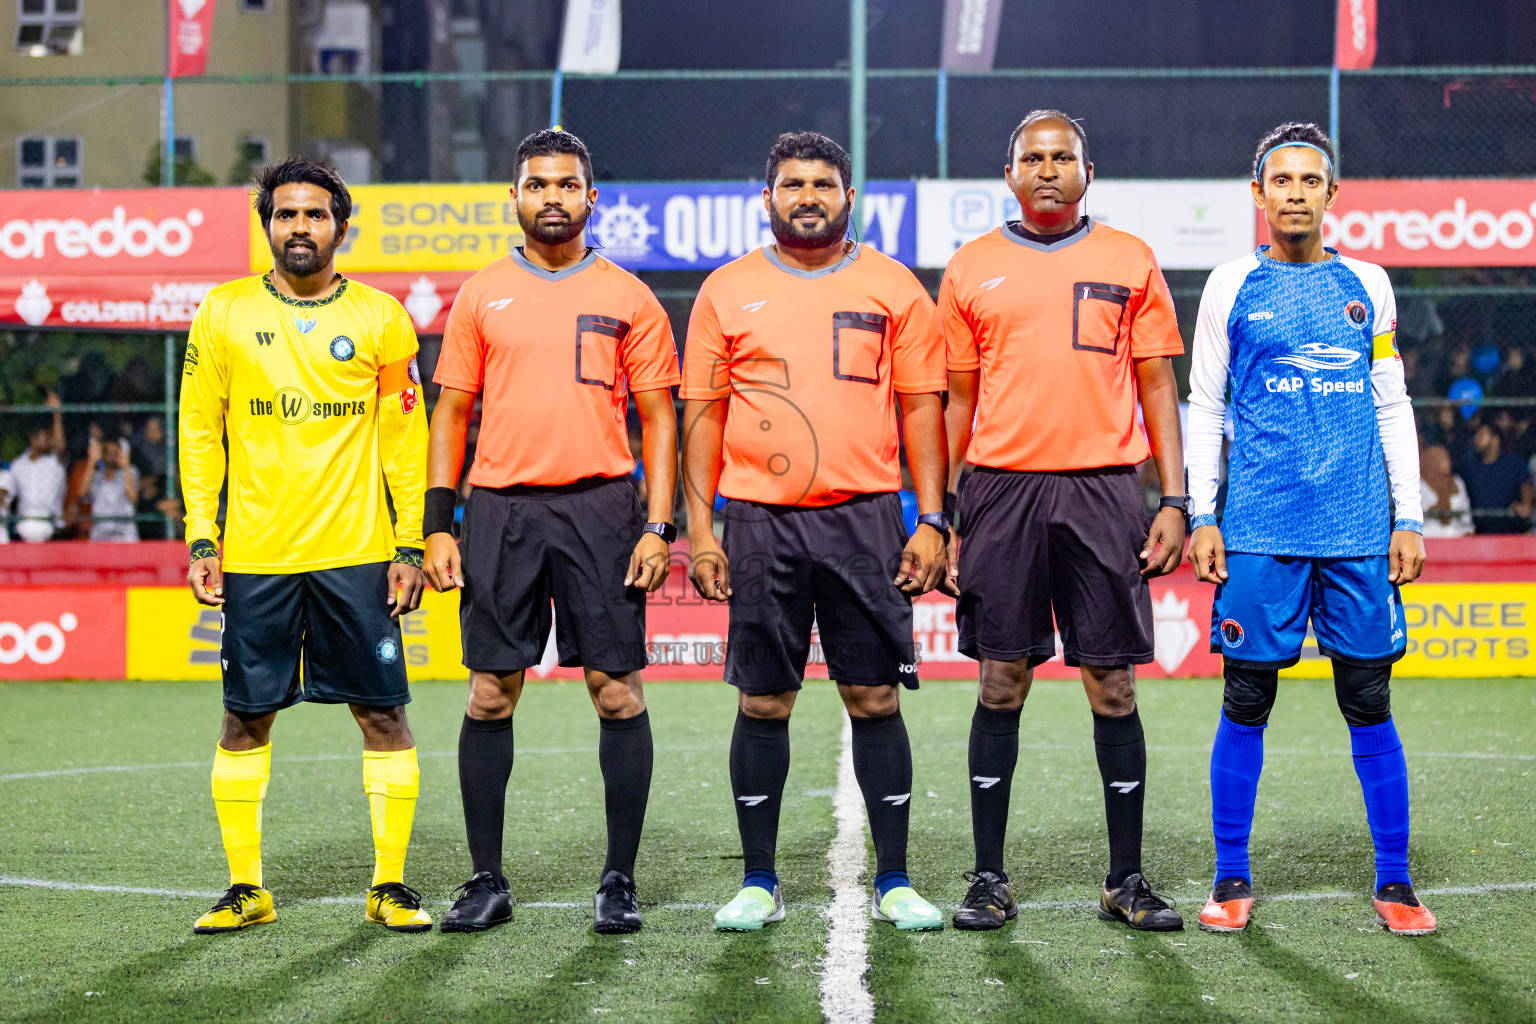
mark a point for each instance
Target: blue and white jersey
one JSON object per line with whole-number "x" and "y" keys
{"x": 1318, "y": 398}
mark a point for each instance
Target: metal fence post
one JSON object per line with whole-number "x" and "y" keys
{"x": 858, "y": 29}
{"x": 171, "y": 470}
{"x": 941, "y": 123}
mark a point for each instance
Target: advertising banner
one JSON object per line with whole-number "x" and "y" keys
{"x": 191, "y": 29}
{"x": 126, "y": 258}
{"x": 1432, "y": 223}
{"x": 1354, "y": 35}
{"x": 1455, "y": 630}
{"x": 970, "y": 34}
{"x": 1190, "y": 224}
{"x": 62, "y": 633}
{"x": 589, "y": 44}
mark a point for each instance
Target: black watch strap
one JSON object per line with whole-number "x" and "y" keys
{"x": 1178, "y": 501}
{"x": 666, "y": 531}
{"x": 938, "y": 520}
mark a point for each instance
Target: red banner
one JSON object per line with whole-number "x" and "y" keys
{"x": 63, "y": 633}
{"x": 1432, "y": 223}
{"x": 1354, "y": 36}
{"x": 191, "y": 28}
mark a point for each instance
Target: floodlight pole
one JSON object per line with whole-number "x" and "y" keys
{"x": 1333, "y": 112}
{"x": 858, "y": 26}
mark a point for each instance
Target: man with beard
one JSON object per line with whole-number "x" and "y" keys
{"x": 798, "y": 357}
{"x": 554, "y": 339}
{"x": 312, "y": 379}
{"x": 1057, "y": 326}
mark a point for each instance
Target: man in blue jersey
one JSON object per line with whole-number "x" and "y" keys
{"x": 1306, "y": 338}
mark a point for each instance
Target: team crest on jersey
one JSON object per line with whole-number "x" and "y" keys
{"x": 342, "y": 348}
{"x": 305, "y": 324}
{"x": 413, "y": 371}
{"x": 1356, "y": 311}
{"x": 1231, "y": 633}
{"x": 387, "y": 651}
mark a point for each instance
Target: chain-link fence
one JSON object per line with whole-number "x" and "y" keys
{"x": 1468, "y": 336}
{"x": 701, "y": 125}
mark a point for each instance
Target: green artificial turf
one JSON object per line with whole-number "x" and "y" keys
{"x": 88, "y": 956}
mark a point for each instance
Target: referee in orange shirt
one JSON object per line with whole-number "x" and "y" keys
{"x": 555, "y": 339}
{"x": 798, "y": 357}
{"x": 1055, "y": 326}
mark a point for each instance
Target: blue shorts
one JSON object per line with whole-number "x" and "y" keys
{"x": 1259, "y": 617}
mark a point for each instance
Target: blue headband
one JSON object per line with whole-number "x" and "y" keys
{"x": 1284, "y": 145}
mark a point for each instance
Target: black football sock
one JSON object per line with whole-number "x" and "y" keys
{"x": 882, "y": 762}
{"x": 485, "y": 765}
{"x": 625, "y": 754}
{"x": 1122, "y": 754}
{"x": 994, "y": 753}
{"x": 759, "y": 766}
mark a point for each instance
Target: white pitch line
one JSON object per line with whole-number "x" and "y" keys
{"x": 845, "y": 997}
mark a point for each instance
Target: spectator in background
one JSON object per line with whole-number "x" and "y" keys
{"x": 77, "y": 491}
{"x": 1497, "y": 480}
{"x": 113, "y": 486}
{"x": 7, "y": 489}
{"x": 1517, "y": 378}
{"x": 39, "y": 477}
{"x": 153, "y": 502}
{"x": 149, "y": 448}
{"x": 1447, "y": 508}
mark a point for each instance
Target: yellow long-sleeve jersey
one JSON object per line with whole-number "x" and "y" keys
{"x": 319, "y": 400}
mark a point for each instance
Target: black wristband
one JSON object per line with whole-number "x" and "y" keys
{"x": 203, "y": 549}
{"x": 437, "y": 511}
{"x": 408, "y": 556}
{"x": 951, "y": 504}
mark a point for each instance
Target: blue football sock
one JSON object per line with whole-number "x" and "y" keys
{"x": 763, "y": 879}
{"x": 888, "y": 880}
{"x": 1383, "y": 773}
{"x": 1237, "y": 760}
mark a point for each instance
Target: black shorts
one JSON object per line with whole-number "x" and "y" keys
{"x": 1072, "y": 541}
{"x": 525, "y": 546}
{"x": 336, "y": 620}
{"x": 832, "y": 566}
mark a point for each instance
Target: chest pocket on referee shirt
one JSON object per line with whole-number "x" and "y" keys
{"x": 597, "y": 349}
{"x": 1098, "y": 316}
{"x": 858, "y": 342}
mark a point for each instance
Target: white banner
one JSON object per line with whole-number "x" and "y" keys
{"x": 589, "y": 45}
{"x": 1190, "y": 224}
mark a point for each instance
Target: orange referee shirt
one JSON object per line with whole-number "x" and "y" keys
{"x": 555, "y": 354}
{"x": 810, "y": 362}
{"x": 1054, "y": 330}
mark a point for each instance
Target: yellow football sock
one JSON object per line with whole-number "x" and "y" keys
{"x": 391, "y": 779}
{"x": 239, "y": 784}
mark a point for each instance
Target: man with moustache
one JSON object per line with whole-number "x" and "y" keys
{"x": 798, "y": 357}
{"x": 1056, "y": 327}
{"x": 312, "y": 380}
{"x": 554, "y": 339}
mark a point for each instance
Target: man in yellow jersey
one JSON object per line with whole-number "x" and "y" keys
{"x": 312, "y": 378}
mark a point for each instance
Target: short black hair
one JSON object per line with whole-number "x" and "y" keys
{"x": 299, "y": 170}
{"x": 39, "y": 425}
{"x": 552, "y": 142}
{"x": 1293, "y": 131}
{"x": 1046, "y": 114}
{"x": 809, "y": 146}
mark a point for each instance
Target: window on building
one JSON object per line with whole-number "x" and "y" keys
{"x": 255, "y": 150}
{"x": 46, "y": 27}
{"x": 254, "y": 5}
{"x": 48, "y": 161}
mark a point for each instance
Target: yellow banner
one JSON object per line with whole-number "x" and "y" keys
{"x": 1461, "y": 630}
{"x": 171, "y": 636}
{"x": 410, "y": 228}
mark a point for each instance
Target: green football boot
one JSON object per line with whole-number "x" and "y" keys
{"x": 752, "y": 908}
{"x": 908, "y": 911}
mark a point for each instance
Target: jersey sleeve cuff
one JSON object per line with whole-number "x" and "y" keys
{"x": 922, "y": 388}
{"x": 468, "y": 386}
{"x": 1204, "y": 519}
{"x": 1408, "y": 526}
{"x": 964, "y": 365}
{"x": 656, "y": 384}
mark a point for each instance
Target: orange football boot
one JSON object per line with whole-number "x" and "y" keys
{"x": 1229, "y": 906}
{"x": 1400, "y": 910}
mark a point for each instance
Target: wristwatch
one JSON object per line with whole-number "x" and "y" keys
{"x": 938, "y": 520}
{"x": 666, "y": 531}
{"x": 1178, "y": 501}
